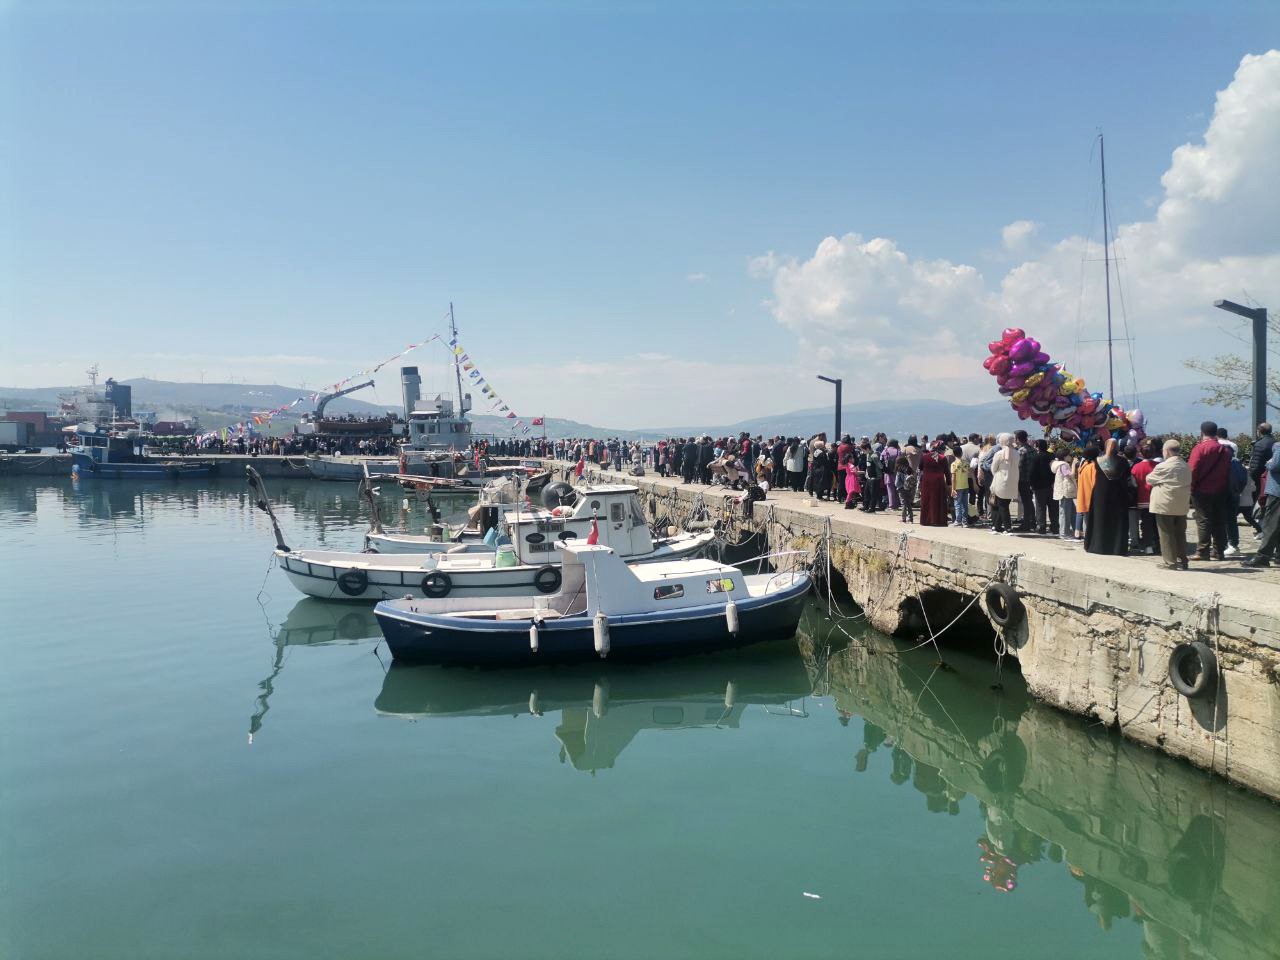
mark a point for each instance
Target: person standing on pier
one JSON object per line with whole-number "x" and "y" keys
{"x": 1170, "y": 484}
{"x": 1064, "y": 492}
{"x": 1210, "y": 491}
{"x": 904, "y": 480}
{"x": 1262, "y": 447}
{"x": 933, "y": 489}
{"x": 873, "y": 470}
{"x": 1026, "y": 490}
{"x": 961, "y": 478}
{"x": 1004, "y": 483}
{"x": 1270, "y": 546}
{"x": 1086, "y": 478}
{"x": 1108, "y": 529}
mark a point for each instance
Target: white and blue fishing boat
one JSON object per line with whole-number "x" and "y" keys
{"x": 110, "y": 455}
{"x": 603, "y": 608}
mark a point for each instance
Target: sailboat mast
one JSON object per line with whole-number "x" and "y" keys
{"x": 1106, "y": 267}
{"x": 457, "y": 368}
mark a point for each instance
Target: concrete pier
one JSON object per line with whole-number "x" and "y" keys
{"x": 1098, "y": 630}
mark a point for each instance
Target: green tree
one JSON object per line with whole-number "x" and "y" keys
{"x": 1231, "y": 375}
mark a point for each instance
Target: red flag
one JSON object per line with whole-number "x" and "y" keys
{"x": 538, "y": 421}
{"x": 594, "y": 536}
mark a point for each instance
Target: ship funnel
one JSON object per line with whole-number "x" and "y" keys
{"x": 411, "y": 389}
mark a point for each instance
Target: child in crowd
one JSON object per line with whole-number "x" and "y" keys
{"x": 904, "y": 480}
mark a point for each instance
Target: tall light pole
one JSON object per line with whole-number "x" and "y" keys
{"x": 1259, "y": 317}
{"x": 839, "y": 388}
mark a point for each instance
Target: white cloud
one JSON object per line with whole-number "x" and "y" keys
{"x": 696, "y": 277}
{"x": 1018, "y": 235}
{"x": 905, "y": 325}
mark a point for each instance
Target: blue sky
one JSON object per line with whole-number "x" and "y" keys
{"x": 284, "y": 191}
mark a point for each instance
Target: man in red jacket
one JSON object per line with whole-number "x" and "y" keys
{"x": 1211, "y": 491}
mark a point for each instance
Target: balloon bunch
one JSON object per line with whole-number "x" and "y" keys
{"x": 1039, "y": 389}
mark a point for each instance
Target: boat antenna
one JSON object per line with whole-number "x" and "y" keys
{"x": 1106, "y": 267}
{"x": 457, "y": 368}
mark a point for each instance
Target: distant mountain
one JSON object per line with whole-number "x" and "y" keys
{"x": 1178, "y": 409}
{"x": 1174, "y": 409}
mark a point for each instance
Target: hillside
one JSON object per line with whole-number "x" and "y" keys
{"x": 1171, "y": 409}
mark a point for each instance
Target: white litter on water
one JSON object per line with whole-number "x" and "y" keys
{"x": 812, "y": 896}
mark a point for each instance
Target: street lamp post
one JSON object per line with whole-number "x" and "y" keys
{"x": 1259, "y": 317}
{"x": 839, "y": 388}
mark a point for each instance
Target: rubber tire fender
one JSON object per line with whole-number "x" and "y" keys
{"x": 556, "y": 494}
{"x": 353, "y": 582}
{"x": 1206, "y": 683}
{"x": 547, "y": 579}
{"x": 1004, "y": 606}
{"x": 437, "y": 584}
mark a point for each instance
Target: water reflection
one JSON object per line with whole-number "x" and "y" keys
{"x": 312, "y": 512}
{"x": 603, "y": 708}
{"x": 1150, "y": 840}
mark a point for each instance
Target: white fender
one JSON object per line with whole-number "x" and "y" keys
{"x": 601, "y": 630}
{"x": 731, "y": 616}
{"x": 533, "y": 636}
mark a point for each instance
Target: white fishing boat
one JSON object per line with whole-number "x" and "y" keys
{"x": 508, "y": 497}
{"x": 603, "y": 607}
{"x": 527, "y": 564}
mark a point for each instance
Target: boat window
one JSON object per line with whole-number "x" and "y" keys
{"x": 617, "y": 513}
{"x": 668, "y": 716}
{"x": 720, "y": 585}
{"x": 637, "y": 515}
{"x": 669, "y": 591}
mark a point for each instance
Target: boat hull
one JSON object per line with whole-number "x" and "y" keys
{"x": 84, "y": 467}
{"x": 453, "y": 640}
{"x": 325, "y": 579}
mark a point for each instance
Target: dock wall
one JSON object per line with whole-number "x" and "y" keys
{"x": 1098, "y": 630}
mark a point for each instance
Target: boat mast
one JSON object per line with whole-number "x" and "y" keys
{"x": 457, "y": 369}
{"x": 1106, "y": 267}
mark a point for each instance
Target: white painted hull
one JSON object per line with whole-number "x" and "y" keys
{"x": 370, "y": 576}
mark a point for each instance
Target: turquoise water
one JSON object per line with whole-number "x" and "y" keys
{"x": 191, "y": 768}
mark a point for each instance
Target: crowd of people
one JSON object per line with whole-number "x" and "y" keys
{"x": 1110, "y": 498}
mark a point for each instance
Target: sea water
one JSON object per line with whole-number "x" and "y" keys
{"x": 197, "y": 762}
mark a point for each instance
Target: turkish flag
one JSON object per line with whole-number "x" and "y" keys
{"x": 593, "y": 537}
{"x": 538, "y": 421}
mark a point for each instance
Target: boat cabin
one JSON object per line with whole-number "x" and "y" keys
{"x": 433, "y": 425}
{"x": 536, "y": 536}
{"x": 102, "y": 447}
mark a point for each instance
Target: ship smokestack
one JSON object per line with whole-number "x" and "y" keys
{"x": 411, "y": 389}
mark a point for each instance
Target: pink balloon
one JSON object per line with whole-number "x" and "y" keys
{"x": 1021, "y": 350}
{"x": 996, "y": 347}
{"x": 1024, "y": 369}
{"x": 1001, "y": 367}
{"x": 1011, "y": 334}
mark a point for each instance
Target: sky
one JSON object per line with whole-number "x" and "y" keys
{"x": 644, "y": 213}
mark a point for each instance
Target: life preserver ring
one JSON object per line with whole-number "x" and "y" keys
{"x": 547, "y": 579}
{"x": 437, "y": 584}
{"x": 353, "y": 582}
{"x": 1193, "y": 670}
{"x": 1004, "y": 606}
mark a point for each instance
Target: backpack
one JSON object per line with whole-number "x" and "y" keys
{"x": 1238, "y": 478}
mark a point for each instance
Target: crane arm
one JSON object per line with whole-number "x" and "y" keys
{"x": 324, "y": 401}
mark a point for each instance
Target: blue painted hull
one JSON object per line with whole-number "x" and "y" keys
{"x": 84, "y": 467}
{"x": 443, "y": 639}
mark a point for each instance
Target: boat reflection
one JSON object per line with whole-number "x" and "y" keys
{"x": 311, "y": 622}
{"x": 1150, "y": 840}
{"x": 603, "y": 707}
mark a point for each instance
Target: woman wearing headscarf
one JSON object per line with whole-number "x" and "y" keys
{"x": 1004, "y": 483}
{"x": 933, "y": 489}
{"x": 1086, "y": 479}
{"x": 820, "y": 468}
{"x": 1108, "y": 528}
